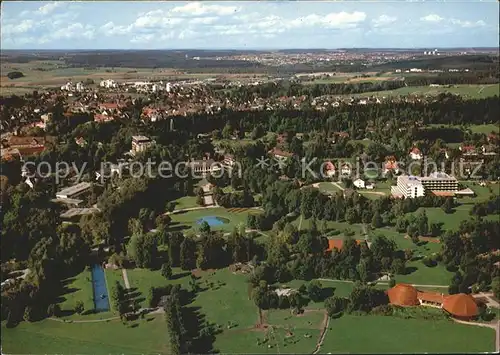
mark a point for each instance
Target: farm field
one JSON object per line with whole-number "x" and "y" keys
{"x": 379, "y": 334}
{"x": 112, "y": 337}
{"x": 472, "y": 91}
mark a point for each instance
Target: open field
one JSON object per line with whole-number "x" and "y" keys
{"x": 379, "y": 334}
{"x": 472, "y": 91}
{"x": 49, "y": 337}
{"x": 79, "y": 288}
{"x": 478, "y": 128}
{"x": 46, "y": 74}
{"x": 187, "y": 220}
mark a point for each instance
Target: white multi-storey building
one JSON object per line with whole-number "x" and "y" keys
{"x": 414, "y": 186}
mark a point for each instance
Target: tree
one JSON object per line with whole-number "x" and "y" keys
{"x": 398, "y": 267}
{"x": 377, "y": 220}
{"x": 448, "y": 205}
{"x": 204, "y": 228}
{"x": 170, "y": 206}
{"x": 435, "y": 229}
{"x": 53, "y": 310}
{"x": 79, "y": 307}
{"x": 166, "y": 270}
{"x": 334, "y": 306}
{"x": 422, "y": 223}
{"x": 188, "y": 254}
{"x": 28, "y": 314}
{"x": 200, "y": 200}
{"x": 227, "y": 131}
{"x": 314, "y": 291}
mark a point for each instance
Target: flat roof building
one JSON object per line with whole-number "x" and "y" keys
{"x": 73, "y": 191}
{"x": 415, "y": 186}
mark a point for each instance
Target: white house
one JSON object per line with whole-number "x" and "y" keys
{"x": 108, "y": 83}
{"x": 345, "y": 169}
{"x": 359, "y": 183}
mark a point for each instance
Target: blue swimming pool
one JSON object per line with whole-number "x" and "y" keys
{"x": 101, "y": 297}
{"x": 212, "y": 221}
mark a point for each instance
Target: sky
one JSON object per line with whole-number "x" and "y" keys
{"x": 248, "y": 25}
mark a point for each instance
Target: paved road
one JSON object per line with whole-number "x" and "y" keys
{"x": 125, "y": 278}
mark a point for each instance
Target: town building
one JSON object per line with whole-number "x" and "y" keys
{"x": 204, "y": 167}
{"x": 140, "y": 144}
{"x": 108, "y": 83}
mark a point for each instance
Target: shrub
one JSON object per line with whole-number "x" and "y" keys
{"x": 429, "y": 261}
{"x": 15, "y": 75}
{"x": 383, "y": 310}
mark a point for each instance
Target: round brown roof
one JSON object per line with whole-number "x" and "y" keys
{"x": 460, "y": 305}
{"x": 403, "y": 295}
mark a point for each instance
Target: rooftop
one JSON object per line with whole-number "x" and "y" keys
{"x": 74, "y": 189}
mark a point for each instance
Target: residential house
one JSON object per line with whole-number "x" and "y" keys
{"x": 359, "y": 183}
{"x": 346, "y": 169}
{"x": 391, "y": 165}
{"x": 140, "y": 144}
{"x": 81, "y": 141}
{"x": 205, "y": 166}
{"x": 416, "y": 154}
{"x": 329, "y": 169}
{"x": 468, "y": 150}
{"x": 280, "y": 154}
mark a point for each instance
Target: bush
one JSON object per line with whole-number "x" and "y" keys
{"x": 383, "y": 310}
{"x": 15, "y": 75}
{"x": 429, "y": 261}
{"x": 79, "y": 307}
{"x": 392, "y": 283}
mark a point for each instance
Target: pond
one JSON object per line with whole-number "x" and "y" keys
{"x": 101, "y": 297}
{"x": 213, "y": 221}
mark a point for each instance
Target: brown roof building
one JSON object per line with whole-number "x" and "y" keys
{"x": 461, "y": 305}
{"x": 403, "y": 295}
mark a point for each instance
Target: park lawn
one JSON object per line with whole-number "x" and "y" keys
{"x": 149, "y": 336}
{"x": 141, "y": 280}
{"x": 379, "y": 334}
{"x": 328, "y": 188}
{"x": 485, "y": 128}
{"x": 78, "y": 288}
{"x": 225, "y": 299}
{"x": 449, "y": 221}
{"x": 304, "y": 224}
{"x": 303, "y": 341}
{"x": 187, "y": 220}
{"x": 483, "y": 193}
{"x": 186, "y": 202}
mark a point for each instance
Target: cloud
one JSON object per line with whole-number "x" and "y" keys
{"x": 468, "y": 24}
{"x": 432, "y": 18}
{"x": 50, "y": 7}
{"x": 452, "y": 21}
{"x": 384, "y": 20}
{"x": 333, "y": 20}
{"x": 201, "y": 9}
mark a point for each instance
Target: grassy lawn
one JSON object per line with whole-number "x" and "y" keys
{"x": 78, "y": 288}
{"x": 483, "y": 193}
{"x": 187, "y": 220}
{"x": 331, "y": 225}
{"x": 143, "y": 279}
{"x": 485, "y": 128}
{"x": 379, "y": 334}
{"x": 186, "y": 202}
{"x": 449, "y": 221}
{"x": 48, "y": 337}
{"x": 328, "y": 188}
